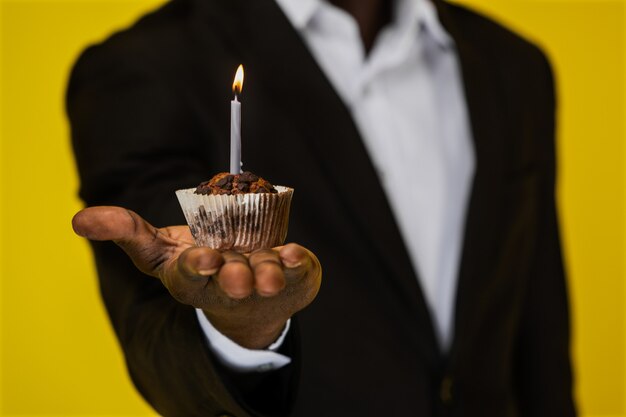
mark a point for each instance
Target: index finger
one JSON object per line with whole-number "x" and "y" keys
{"x": 187, "y": 278}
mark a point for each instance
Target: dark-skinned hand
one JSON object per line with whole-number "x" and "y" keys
{"x": 247, "y": 297}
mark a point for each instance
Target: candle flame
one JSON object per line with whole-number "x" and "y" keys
{"x": 238, "y": 82}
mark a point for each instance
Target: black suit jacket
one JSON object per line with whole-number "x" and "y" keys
{"x": 149, "y": 111}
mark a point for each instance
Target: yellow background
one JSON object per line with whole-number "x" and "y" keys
{"x": 58, "y": 353}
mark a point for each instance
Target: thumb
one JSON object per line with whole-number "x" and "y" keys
{"x": 127, "y": 229}
{"x": 110, "y": 223}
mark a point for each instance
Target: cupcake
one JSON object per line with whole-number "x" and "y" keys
{"x": 240, "y": 212}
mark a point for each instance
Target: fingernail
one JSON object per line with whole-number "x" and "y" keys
{"x": 206, "y": 272}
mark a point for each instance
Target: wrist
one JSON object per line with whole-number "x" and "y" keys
{"x": 249, "y": 333}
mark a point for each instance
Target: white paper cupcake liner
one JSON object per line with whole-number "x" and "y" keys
{"x": 241, "y": 222}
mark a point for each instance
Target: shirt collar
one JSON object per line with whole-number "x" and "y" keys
{"x": 429, "y": 20}
{"x": 301, "y": 12}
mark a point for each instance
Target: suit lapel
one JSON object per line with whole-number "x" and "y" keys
{"x": 484, "y": 211}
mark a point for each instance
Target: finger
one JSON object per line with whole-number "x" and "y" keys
{"x": 269, "y": 278}
{"x": 199, "y": 262}
{"x": 187, "y": 279}
{"x": 302, "y": 270}
{"x": 235, "y": 276}
{"x": 296, "y": 259}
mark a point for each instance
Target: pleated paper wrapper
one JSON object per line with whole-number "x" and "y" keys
{"x": 240, "y": 222}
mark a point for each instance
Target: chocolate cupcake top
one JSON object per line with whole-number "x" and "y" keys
{"x": 244, "y": 183}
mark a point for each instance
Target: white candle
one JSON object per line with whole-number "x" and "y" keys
{"x": 235, "y": 136}
{"x": 235, "y": 124}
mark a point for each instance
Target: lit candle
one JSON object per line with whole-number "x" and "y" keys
{"x": 235, "y": 124}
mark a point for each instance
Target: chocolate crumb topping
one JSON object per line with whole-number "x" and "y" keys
{"x": 227, "y": 180}
{"x": 248, "y": 177}
{"x": 226, "y": 183}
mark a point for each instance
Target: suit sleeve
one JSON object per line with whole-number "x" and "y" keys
{"x": 544, "y": 375}
{"x": 136, "y": 140}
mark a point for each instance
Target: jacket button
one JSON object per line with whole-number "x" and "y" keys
{"x": 445, "y": 391}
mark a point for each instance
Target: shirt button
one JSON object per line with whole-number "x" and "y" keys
{"x": 445, "y": 391}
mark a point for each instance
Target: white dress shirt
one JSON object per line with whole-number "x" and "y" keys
{"x": 406, "y": 98}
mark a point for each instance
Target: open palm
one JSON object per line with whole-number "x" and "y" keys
{"x": 247, "y": 297}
